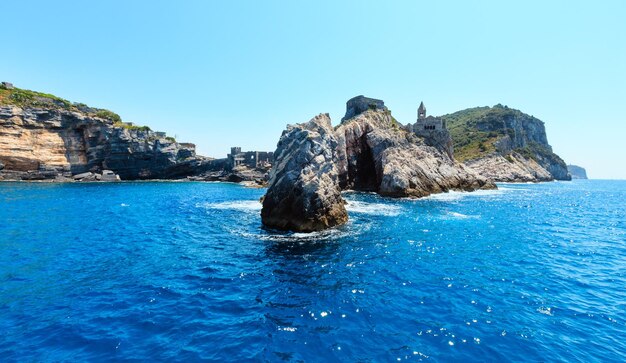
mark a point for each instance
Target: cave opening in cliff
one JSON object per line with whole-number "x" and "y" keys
{"x": 363, "y": 172}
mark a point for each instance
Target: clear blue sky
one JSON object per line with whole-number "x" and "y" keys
{"x": 225, "y": 73}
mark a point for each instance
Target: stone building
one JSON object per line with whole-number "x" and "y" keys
{"x": 6, "y": 85}
{"x": 250, "y": 159}
{"x": 360, "y": 104}
{"x": 433, "y": 130}
{"x": 427, "y": 124}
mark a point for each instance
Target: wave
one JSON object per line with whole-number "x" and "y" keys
{"x": 240, "y": 205}
{"x": 461, "y": 215}
{"x": 383, "y": 209}
{"x": 457, "y": 195}
{"x": 331, "y": 234}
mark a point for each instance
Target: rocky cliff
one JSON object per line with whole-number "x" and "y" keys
{"x": 304, "y": 193}
{"x": 504, "y": 144}
{"x": 45, "y": 137}
{"x": 577, "y": 172}
{"x": 376, "y": 154}
{"x": 368, "y": 151}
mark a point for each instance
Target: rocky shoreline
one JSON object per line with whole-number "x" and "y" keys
{"x": 368, "y": 151}
{"x": 47, "y": 139}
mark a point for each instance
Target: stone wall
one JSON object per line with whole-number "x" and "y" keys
{"x": 360, "y": 104}
{"x": 250, "y": 159}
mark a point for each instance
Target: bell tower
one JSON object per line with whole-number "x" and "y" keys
{"x": 421, "y": 111}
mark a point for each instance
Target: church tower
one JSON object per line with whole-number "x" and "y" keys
{"x": 421, "y": 111}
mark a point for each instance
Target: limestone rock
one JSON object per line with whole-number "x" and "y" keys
{"x": 304, "y": 193}
{"x": 376, "y": 155}
{"x": 368, "y": 152}
{"x": 510, "y": 168}
{"x": 34, "y": 142}
{"x": 83, "y": 175}
{"x": 109, "y": 176}
{"x": 487, "y": 137}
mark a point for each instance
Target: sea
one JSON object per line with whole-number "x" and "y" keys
{"x": 185, "y": 271}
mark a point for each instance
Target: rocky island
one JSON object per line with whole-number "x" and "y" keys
{"x": 368, "y": 151}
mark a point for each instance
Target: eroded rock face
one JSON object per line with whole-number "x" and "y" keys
{"x": 47, "y": 143}
{"x": 518, "y": 138}
{"x": 376, "y": 155}
{"x": 510, "y": 168}
{"x": 367, "y": 152}
{"x": 304, "y": 193}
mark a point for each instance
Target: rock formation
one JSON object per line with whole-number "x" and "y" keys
{"x": 504, "y": 144}
{"x": 511, "y": 168}
{"x": 368, "y": 151}
{"x": 577, "y": 172}
{"x": 304, "y": 193}
{"x": 43, "y": 137}
{"x": 375, "y": 154}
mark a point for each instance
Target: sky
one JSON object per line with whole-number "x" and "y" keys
{"x": 235, "y": 73}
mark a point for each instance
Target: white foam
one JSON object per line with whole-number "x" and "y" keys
{"x": 457, "y": 195}
{"x": 373, "y": 208}
{"x": 546, "y": 311}
{"x": 460, "y": 215}
{"x": 241, "y": 205}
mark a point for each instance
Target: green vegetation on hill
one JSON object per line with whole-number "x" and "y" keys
{"x": 475, "y": 130}
{"x": 469, "y": 141}
{"x": 109, "y": 115}
{"x": 26, "y": 98}
{"x": 130, "y": 126}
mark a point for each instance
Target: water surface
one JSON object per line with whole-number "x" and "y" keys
{"x": 185, "y": 272}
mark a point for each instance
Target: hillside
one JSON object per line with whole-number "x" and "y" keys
{"x": 45, "y": 137}
{"x": 503, "y": 132}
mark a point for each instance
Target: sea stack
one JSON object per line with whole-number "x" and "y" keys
{"x": 304, "y": 193}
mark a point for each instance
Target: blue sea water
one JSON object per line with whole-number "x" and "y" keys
{"x": 185, "y": 272}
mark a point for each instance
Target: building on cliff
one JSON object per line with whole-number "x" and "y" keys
{"x": 433, "y": 130}
{"x": 360, "y": 104}
{"x": 250, "y": 159}
{"x": 426, "y": 125}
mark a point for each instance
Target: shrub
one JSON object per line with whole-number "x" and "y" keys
{"x": 109, "y": 115}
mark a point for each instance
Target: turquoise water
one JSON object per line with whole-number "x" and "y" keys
{"x": 185, "y": 272}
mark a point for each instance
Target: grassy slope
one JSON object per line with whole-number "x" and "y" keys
{"x": 469, "y": 142}
{"x": 26, "y": 98}
{"x": 474, "y": 130}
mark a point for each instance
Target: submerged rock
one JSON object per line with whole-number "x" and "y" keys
{"x": 304, "y": 193}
